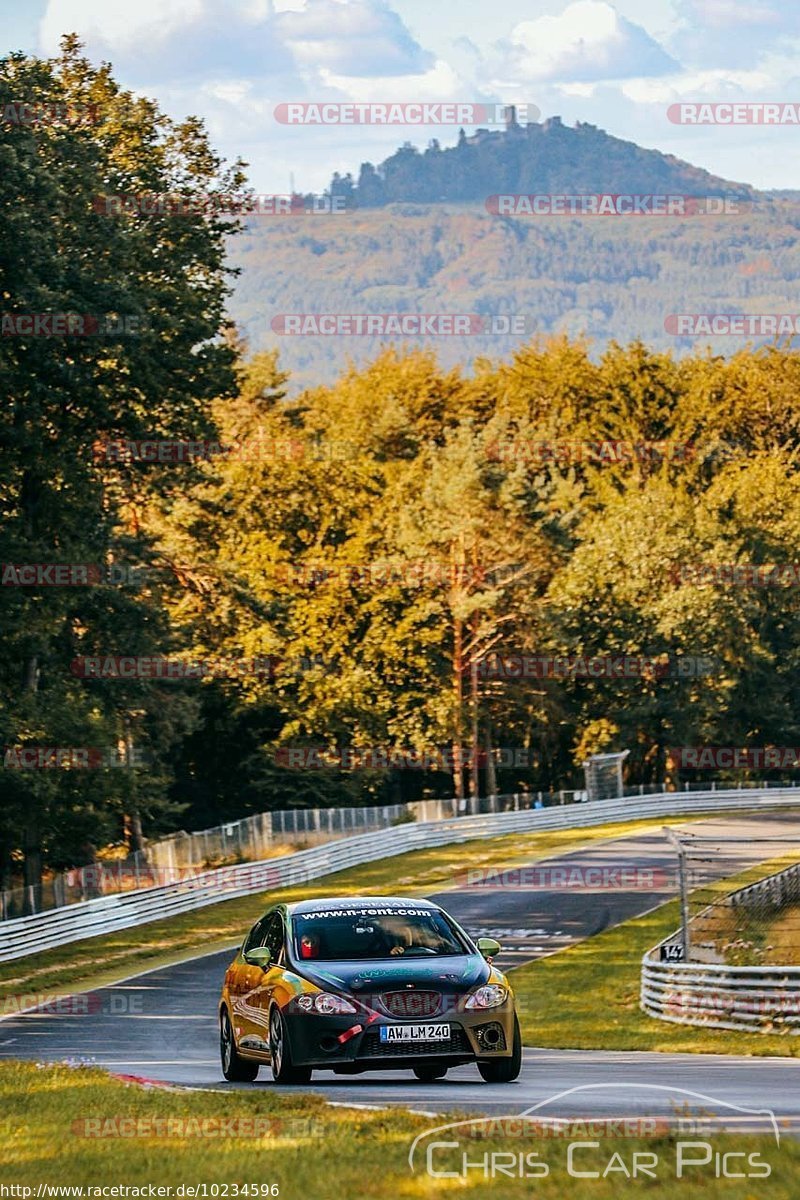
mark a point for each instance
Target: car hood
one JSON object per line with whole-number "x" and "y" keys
{"x": 441, "y": 975}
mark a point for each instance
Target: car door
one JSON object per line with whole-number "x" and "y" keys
{"x": 245, "y": 978}
{"x": 274, "y": 937}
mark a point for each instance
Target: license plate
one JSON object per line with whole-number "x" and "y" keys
{"x": 415, "y": 1033}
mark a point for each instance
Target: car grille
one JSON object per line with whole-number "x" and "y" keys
{"x": 373, "y": 1047}
{"x": 412, "y": 1003}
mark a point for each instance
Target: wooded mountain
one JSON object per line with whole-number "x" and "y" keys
{"x": 419, "y": 239}
{"x": 547, "y": 157}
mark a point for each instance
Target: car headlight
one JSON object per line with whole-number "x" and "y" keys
{"x": 327, "y": 1004}
{"x": 487, "y": 997}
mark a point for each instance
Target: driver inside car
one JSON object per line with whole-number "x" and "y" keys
{"x": 408, "y": 937}
{"x": 309, "y": 945}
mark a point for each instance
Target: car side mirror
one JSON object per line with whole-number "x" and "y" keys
{"x": 488, "y": 947}
{"x": 259, "y": 956}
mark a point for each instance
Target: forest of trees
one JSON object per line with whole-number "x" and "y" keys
{"x": 603, "y": 278}
{"x": 374, "y": 540}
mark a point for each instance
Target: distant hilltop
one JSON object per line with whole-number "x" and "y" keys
{"x": 538, "y": 157}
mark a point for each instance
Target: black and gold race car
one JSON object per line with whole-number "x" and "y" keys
{"x": 366, "y": 984}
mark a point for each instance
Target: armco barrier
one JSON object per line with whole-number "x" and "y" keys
{"x": 761, "y": 999}
{"x": 758, "y": 999}
{"x": 772, "y": 893}
{"x": 28, "y": 935}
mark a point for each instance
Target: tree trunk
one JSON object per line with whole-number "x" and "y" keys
{"x": 32, "y": 869}
{"x": 458, "y": 686}
{"x": 31, "y": 836}
{"x": 31, "y": 681}
{"x": 474, "y": 778}
{"x": 491, "y": 773}
{"x": 475, "y": 745}
{"x": 136, "y": 838}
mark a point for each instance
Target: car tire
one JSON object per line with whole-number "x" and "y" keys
{"x": 504, "y": 1070}
{"x": 283, "y": 1069}
{"x": 429, "y": 1074}
{"x": 235, "y": 1068}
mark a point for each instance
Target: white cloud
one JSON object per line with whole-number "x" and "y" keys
{"x": 733, "y": 33}
{"x": 116, "y": 25}
{"x": 362, "y": 37}
{"x": 589, "y": 41}
{"x": 723, "y": 13}
{"x": 714, "y": 84}
{"x": 585, "y": 90}
{"x": 440, "y": 83}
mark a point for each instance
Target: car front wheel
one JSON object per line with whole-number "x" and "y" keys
{"x": 283, "y": 1069}
{"x": 504, "y": 1070}
{"x": 235, "y": 1068}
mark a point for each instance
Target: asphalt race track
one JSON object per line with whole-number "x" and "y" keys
{"x": 162, "y": 1024}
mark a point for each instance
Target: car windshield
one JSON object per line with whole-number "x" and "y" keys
{"x": 370, "y": 933}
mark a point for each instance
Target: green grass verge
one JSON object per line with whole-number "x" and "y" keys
{"x": 310, "y": 1150}
{"x": 586, "y": 997}
{"x": 101, "y": 960}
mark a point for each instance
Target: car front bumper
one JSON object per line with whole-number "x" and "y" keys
{"x": 355, "y": 1040}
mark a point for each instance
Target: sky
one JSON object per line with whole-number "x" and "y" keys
{"x": 618, "y": 66}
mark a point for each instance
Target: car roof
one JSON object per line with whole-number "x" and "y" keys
{"x": 358, "y": 903}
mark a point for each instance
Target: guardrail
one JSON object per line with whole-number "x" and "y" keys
{"x": 28, "y": 935}
{"x": 756, "y": 999}
{"x": 774, "y": 892}
{"x": 761, "y": 999}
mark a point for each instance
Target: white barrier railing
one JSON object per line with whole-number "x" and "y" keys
{"x": 757, "y": 999}
{"x": 107, "y": 914}
{"x": 760, "y": 999}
